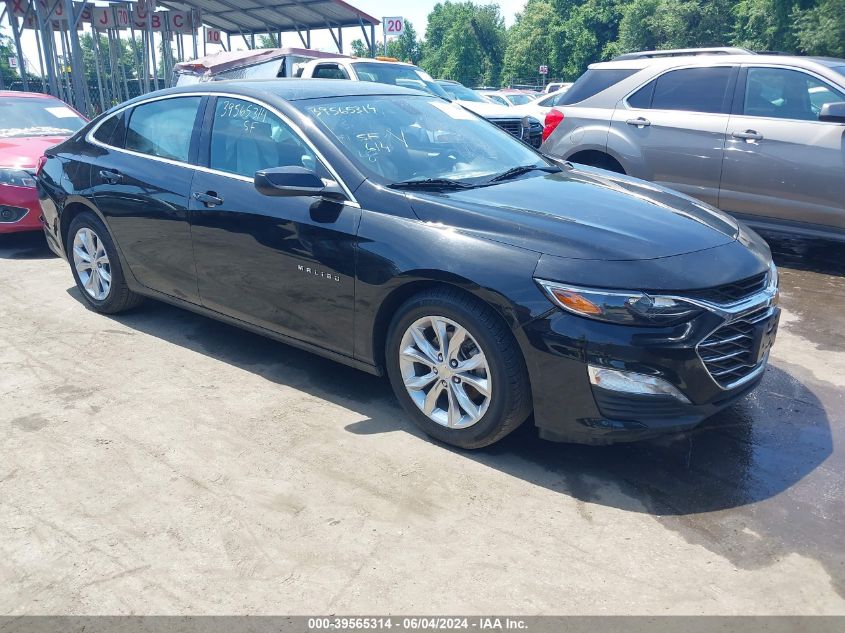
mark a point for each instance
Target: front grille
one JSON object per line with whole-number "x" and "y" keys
{"x": 11, "y": 214}
{"x": 534, "y": 135}
{"x": 732, "y": 292}
{"x": 511, "y": 126}
{"x": 728, "y": 353}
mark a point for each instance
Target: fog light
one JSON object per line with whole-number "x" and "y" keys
{"x": 630, "y": 382}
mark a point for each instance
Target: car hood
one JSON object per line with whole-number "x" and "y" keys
{"x": 489, "y": 110}
{"x": 25, "y": 151}
{"x": 582, "y": 214}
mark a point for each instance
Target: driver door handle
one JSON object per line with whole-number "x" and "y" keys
{"x": 639, "y": 122}
{"x": 111, "y": 177}
{"x": 748, "y": 135}
{"x": 209, "y": 199}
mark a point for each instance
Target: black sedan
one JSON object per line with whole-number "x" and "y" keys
{"x": 399, "y": 233}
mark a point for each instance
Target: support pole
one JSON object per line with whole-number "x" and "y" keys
{"x": 139, "y": 52}
{"x": 95, "y": 49}
{"x": 195, "y": 29}
{"x": 114, "y": 81}
{"x": 77, "y": 69}
{"x": 152, "y": 42}
{"x": 13, "y": 22}
{"x": 49, "y": 44}
{"x": 62, "y": 66}
{"x": 41, "y": 65}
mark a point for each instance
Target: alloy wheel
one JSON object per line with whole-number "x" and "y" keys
{"x": 92, "y": 263}
{"x": 445, "y": 372}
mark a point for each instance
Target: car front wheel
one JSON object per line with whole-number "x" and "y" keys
{"x": 457, "y": 369}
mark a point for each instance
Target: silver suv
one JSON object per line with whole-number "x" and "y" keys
{"x": 759, "y": 136}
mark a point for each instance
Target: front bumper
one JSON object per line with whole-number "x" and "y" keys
{"x": 567, "y": 407}
{"x": 19, "y": 209}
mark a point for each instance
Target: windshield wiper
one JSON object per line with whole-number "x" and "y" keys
{"x": 430, "y": 183}
{"x": 513, "y": 172}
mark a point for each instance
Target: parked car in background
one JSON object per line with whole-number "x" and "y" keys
{"x": 29, "y": 123}
{"x": 264, "y": 63}
{"x": 759, "y": 136}
{"x": 539, "y": 108}
{"x": 530, "y": 131}
{"x": 379, "y": 70}
{"x": 399, "y": 233}
{"x": 508, "y": 98}
{"x": 555, "y": 86}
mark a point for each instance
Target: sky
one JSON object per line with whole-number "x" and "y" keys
{"x": 416, "y": 11}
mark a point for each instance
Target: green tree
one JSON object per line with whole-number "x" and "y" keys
{"x": 466, "y": 42}
{"x": 587, "y": 33}
{"x": 656, "y": 24}
{"x": 7, "y": 73}
{"x": 768, "y": 25}
{"x": 406, "y": 47}
{"x": 359, "y": 49}
{"x": 530, "y": 41}
{"x": 265, "y": 41}
{"x": 820, "y": 30}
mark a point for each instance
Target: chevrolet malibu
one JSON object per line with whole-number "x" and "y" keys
{"x": 398, "y": 233}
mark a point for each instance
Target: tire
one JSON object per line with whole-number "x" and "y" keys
{"x": 478, "y": 420}
{"x": 105, "y": 289}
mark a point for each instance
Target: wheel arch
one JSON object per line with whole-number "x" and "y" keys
{"x": 597, "y": 158}
{"x": 72, "y": 208}
{"x": 413, "y": 285}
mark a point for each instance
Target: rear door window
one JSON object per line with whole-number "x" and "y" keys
{"x": 247, "y": 137}
{"x": 111, "y": 131}
{"x": 782, "y": 93}
{"x": 163, "y": 128}
{"x": 692, "y": 90}
{"x": 595, "y": 81}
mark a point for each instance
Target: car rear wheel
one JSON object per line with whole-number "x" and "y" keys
{"x": 96, "y": 267}
{"x": 456, "y": 369}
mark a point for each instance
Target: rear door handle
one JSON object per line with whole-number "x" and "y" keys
{"x": 209, "y": 199}
{"x": 748, "y": 135}
{"x": 639, "y": 122}
{"x": 110, "y": 176}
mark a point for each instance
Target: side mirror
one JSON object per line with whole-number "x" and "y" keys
{"x": 294, "y": 181}
{"x": 833, "y": 112}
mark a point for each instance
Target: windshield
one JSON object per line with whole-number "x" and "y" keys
{"x": 27, "y": 116}
{"x": 397, "y": 138}
{"x": 519, "y": 99}
{"x": 399, "y": 75}
{"x": 461, "y": 93}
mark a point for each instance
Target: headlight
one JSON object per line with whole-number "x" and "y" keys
{"x": 774, "y": 280}
{"x": 16, "y": 177}
{"x": 627, "y": 308}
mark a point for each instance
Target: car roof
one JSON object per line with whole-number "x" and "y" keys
{"x": 31, "y": 95}
{"x": 712, "y": 60}
{"x": 361, "y": 60}
{"x": 291, "y": 89}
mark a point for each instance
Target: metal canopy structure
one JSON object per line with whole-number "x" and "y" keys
{"x": 262, "y": 16}
{"x": 154, "y": 28}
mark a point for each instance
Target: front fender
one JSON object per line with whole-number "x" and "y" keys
{"x": 392, "y": 266}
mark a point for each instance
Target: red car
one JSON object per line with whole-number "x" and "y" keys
{"x": 29, "y": 123}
